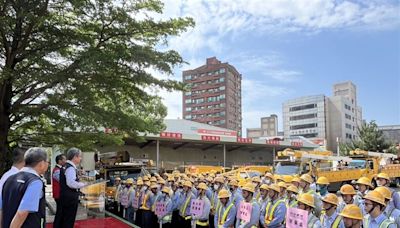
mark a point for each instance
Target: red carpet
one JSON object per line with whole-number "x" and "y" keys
{"x": 97, "y": 223}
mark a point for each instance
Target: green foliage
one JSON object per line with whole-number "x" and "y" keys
{"x": 69, "y": 66}
{"x": 370, "y": 139}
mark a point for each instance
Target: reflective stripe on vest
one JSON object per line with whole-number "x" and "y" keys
{"x": 268, "y": 219}
{"x": 384, "y": 224}
{"x": 144, "y": 206}
{"x": 153, "y": 208}
{"x": 184, "y": 206}
{"x": 202, "y": 223}
{"x": 337, "y": 221}
{"x": 226, "y": 212}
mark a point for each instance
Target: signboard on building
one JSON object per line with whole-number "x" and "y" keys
{"x": 273, "y": 142}
{"x": 170, "y": 135}
{"x": 210, "y": 138}
{"x": 296, "y": 143}
{"x": 244, "y": 140}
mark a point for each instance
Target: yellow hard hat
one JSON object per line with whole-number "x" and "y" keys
{"x": 219, "y": 180}
{"x": 153, "y": 186}
{"x": 376, "y": 197}
{"x": 384, "y": 191}
{"x": 139, "y": 182}
{"x": 307, "y": 199}
{"x": 188, "y": 184}
{"x": 209, "y": 179}
{"x": 352, "y": 211}
{"x": 256, "y": 179}
{"x": 117, "y": 178}
{"x": 293, "y": 188}
{"x": 140, "y": 178}
{"x": 147, "y": 183}
{"x": 279, "y": 178}
{"x": 347, "y": 190}
{"x": 364, "y": 181}
{"x": 234, "y": 183}
{"x": 307, "y": 178}
{"x": 223, "y": 193}
{"x": 249, "y": 187}
{"x": 264, "y": 187}
{"x": 269, "y": 175}
{"x": 153, "y": 179}
{"x": 145, "y": 178}
{"x": 331, "y": 198}
{"x": 296, "y": 179}
{"x": 171, "y": 178}
{"x": 166, "y": 190}
{"x": 161, "y": 181}
{"x": 202, "y": 186}
{"x": 275, "y": 187}
{"x": 129, "y": 181}
{"x": 323, "y": 181}
{"x": 282, "y": 184}
{"x": 287, "y": 179}
{"x": 383, "y": 176}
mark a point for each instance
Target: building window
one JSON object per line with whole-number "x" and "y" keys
{"x": 311, "y": 135}
{"x": 302, "y": 107}
{"x": 188, "y": 101}
{"x": 347, "y": 116}
{"x": 188, "y": 109}
{"x": 222, "y": 88}
{"x": 188, "y": 93}
{"x": 221, "y": 79}
{"x": 303, "y": 126}
{"x": 188, "y": 117}
{"x": 303, "y": 117}
{"x": 187, "y": 77}
{"x": 222, "y": 70}
{"x": 348, "y": 126}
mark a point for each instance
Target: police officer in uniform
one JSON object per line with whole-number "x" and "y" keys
{"x": 23, "y": 202}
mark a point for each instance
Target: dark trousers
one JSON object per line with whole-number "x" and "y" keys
{"x": 146, "y": 219}
{"x": 68, "y": 216}
{"x": 185, "y": 223}
{"x": 57, "y": 218}
{"x": 166, "y": 225}
{"x": 175, "y": 219}
{"x": 138, "y": 220}
{"x": 211, "y": 221}
{"x": 154, "y": 221}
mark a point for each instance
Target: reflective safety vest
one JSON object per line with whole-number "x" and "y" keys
{"x": 144, "y": 206}
{"x": 335, "y": 223}
{"x": 242, "y": 221}
{"x": 312, "y": 220}
{"x": 384, "y": 224}
{"x": 153, "y": 207}
{"x": 184, "y": 206}
{"x": 291, "y": 204}
{"x": 221, "y": 220}
{"x": 270, "y": 213}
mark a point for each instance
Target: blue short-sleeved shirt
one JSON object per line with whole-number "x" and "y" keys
{"x": 33, "y": 194}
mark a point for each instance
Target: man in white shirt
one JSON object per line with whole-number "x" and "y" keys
{"x": 18, "y": 163}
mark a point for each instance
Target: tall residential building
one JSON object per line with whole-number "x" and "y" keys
{"x": 215, "y": 95}
{"x": 269, "y": 127}
{"x": 324, "y": 120}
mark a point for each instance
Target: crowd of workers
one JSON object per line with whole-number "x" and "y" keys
{"x": 356, "y": 205}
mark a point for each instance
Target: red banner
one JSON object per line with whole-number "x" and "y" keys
{"x": 171, "y": 135}
{"x": 217, "y": 132}
{"x": 210, "y": 138}
{"x": 244, "y": 140}
{"x": 296, "y": 143}
{"x": 273, "y": 142}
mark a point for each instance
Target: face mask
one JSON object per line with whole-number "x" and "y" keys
{"x": 268, "y": 181}
{"x": 216, "y": 186}
{"x": 164, "y": 194}
{"x": 323, "y": 190}
{"x": 144, "y": 188}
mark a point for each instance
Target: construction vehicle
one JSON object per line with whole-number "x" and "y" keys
{"x": 119, "y": 164}
{"x": 201, "y": 169}
{"x": 358, "y": 164}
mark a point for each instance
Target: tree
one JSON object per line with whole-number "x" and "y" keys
{"x": 70, "y": 68}
{"x": 370, "y": 139}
